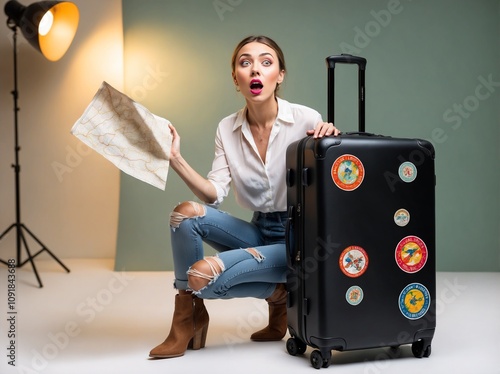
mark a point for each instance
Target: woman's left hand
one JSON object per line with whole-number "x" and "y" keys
{"x": 324, "y": 129}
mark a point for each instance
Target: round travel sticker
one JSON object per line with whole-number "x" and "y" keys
{"x": 353, "y": 261}
{"x": 348, "y": 172}
{"x": 411, "y": 254}
{"x": 401, "y": 217}
{"x": 414, "y": 301}
{"x": 354, "y": 295}
{"x": 407, "y": 172}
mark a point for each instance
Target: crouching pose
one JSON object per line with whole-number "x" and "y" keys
{"x": 250, "y": 147}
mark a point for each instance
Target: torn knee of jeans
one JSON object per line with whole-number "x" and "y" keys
{"x": 256, "y": 254}
{"x": 204, "y": 273}
{"x": 185, "y": 210}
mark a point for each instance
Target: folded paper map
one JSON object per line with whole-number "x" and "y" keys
{"x": 127, "y": 134}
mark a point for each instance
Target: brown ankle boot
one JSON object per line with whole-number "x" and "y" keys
{"x": 277, "y": 327}
{"x": 188, "y": 330}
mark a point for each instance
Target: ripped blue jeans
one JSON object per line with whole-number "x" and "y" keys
{"x": 251, "y": 256}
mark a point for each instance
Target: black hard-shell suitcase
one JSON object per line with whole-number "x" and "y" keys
{"x": 361, "y": 240}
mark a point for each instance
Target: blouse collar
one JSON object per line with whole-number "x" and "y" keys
{"x": 285, "y": 114}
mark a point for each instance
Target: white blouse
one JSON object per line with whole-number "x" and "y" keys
{"x": 257, "y": 186}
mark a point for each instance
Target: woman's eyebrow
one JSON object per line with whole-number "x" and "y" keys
{"x": 261, "y": 55}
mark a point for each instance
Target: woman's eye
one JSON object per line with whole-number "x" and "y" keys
{"x": 266, "y": 63}
{"x": 245, "y": 63}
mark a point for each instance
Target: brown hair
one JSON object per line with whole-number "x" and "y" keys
{"x": 264, "y": 40}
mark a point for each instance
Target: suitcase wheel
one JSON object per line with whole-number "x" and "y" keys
{"x": 320, "y": 360}
{"x": 295, "y": 346}
{"x": 421, "y": 349}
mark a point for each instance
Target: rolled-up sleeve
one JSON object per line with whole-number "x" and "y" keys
{"x": 220, "y": 175}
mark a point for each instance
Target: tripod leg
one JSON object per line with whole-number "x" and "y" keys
{"x": 3, "y": 234}
{"x": 30, "y": 258}
{"x": 7, "y": 230}
{"x": 44, "y": 247}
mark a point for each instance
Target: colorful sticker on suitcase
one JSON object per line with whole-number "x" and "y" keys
{"x": 354, "y": 295}
{"x": 407, "y": 172}
{"x": 401, "y": 217}
{"x": 353, "y": 261}
{"x": 411, "y": 254}
{"x": 348, "y": 172}
{"x": 414, "y": 301}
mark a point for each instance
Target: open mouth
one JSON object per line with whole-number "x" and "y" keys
{"x": 256, "y": 86}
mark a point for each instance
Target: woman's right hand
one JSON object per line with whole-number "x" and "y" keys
{"x": 201, "y": 187}
{"x": 175, "y": 149}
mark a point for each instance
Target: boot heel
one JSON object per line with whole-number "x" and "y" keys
{"x": 199, "y": 339}
{"x": 189, "y": 313}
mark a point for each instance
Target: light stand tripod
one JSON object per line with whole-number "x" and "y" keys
{"x": 18, "y": 225}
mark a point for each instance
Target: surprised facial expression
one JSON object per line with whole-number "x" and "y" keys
{"x": 257, "y": 71}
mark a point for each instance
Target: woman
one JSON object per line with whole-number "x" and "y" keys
{"x": 250, "y": 148}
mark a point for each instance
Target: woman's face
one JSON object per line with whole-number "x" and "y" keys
{"x": 257, "y": 71}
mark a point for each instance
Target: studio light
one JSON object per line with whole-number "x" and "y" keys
{"x": 49, "y": 26}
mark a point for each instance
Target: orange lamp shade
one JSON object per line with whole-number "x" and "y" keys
{"x": 49, "y": 26}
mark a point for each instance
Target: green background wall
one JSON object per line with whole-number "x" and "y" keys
{"x": 433, "y": 72}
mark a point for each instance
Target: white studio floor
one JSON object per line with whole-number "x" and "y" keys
{"x": 94, "y": 320}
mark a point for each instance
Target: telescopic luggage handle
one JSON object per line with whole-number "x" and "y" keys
{"x": 347, "y": 59}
